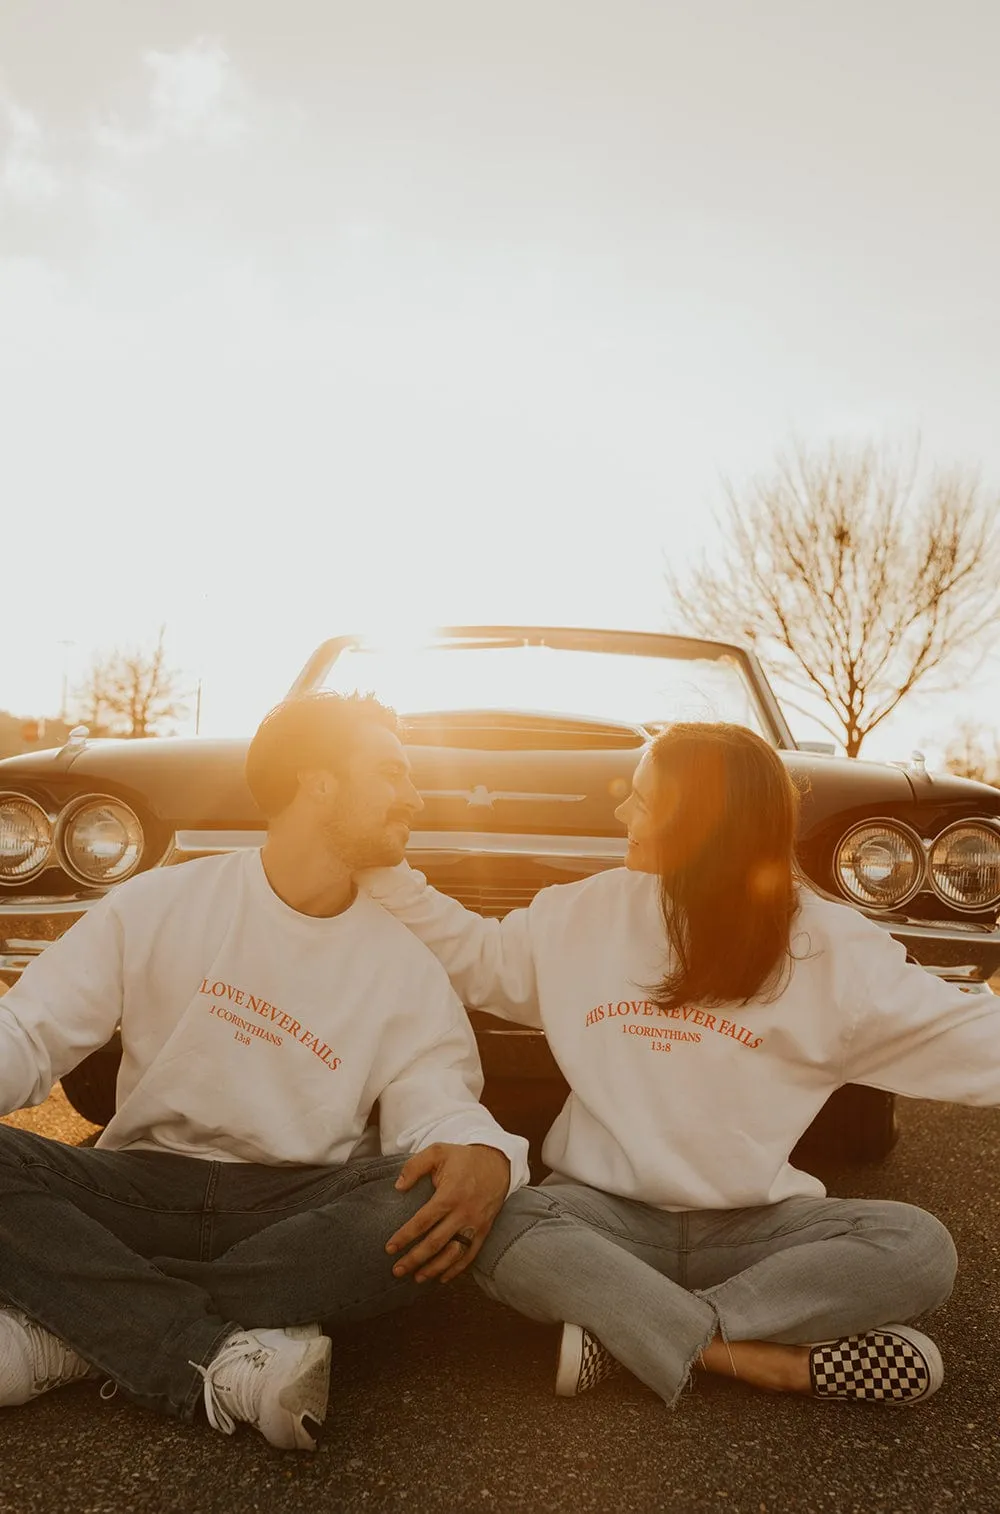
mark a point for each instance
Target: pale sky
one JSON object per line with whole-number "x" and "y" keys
{"x": 317, "y": 315}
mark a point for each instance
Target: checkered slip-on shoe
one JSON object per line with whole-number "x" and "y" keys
{"x": 890, "y": 1365}
{"x": 583, "y": 1362}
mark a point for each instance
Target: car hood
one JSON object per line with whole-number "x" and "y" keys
{"x": 188, "y": 781}
{"x": 842, "y": 790}
{"x": 198, "y": 782}
{"x": 840, "y": 786}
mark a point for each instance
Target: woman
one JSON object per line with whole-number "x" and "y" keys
{"x": 702, "y": 1005}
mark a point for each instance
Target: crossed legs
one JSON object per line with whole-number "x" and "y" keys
{"x": 662, "y": 1290}
{"x": 145, "y": 1263}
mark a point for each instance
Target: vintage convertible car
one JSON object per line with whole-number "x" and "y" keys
{"x": 523, "y": 741}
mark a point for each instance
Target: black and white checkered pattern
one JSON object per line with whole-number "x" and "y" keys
{"x": 583, "y": 1362}
{"x": 595, "y": 1363}
{"x": 879, "y": 1367}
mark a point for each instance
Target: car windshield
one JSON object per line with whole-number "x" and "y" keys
{"x": 604, "y": 686}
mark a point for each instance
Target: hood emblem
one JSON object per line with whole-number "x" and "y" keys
{"x": 482, "y": 798}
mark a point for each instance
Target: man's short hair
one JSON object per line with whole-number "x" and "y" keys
{"x": 317, "y": 730}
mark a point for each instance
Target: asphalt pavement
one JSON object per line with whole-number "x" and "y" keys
{"x": 451, "y": 1408}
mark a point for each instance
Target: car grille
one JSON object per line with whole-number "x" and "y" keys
{"x": 494, "y": 885}
{"x": 492, "y": 900}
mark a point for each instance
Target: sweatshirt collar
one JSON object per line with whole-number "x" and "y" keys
{"x": 314, "y": 924}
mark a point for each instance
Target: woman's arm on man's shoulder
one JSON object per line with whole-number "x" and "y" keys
{"x": 490, "y": 962}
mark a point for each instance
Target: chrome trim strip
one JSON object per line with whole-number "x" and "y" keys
{"x": 967, "y": 972}
{"x": 482, "y": 798}
{"x": 33, "y": 907}
{"x": 507, "y": 844}
{"x": 767, "y": 700}
{"x": 928, "y": 930}
{"x": 207, "y": 843}
{"x": 13, "y": 967}
{"x": 429, "y": 843}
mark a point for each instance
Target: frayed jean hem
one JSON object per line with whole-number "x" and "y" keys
{"x": 687, "y": 1377}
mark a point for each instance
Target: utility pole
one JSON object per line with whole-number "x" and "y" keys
{"x": 65, "y": 676}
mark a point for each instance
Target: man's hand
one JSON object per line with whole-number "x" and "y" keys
{"x": 470, "y": 1184}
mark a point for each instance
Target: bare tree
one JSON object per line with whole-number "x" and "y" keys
{"x": 91, "y": 701}
{"x": 130, "y": 693}
{"x": 974, "y": 753}
{"x": 855, "y": 578}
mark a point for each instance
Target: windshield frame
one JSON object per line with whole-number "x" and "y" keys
{"x": 566, "y": 638}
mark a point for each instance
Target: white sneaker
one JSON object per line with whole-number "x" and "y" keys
{"x": 276, "y": 1380}
{"x": 32, "y": 1359}
{"x": 583, "y": 1362}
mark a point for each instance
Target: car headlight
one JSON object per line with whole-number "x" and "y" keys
{"x": 25, "y": 838}
{"x": 965, "y": 865}
{"x": 99, "y": 840}
{"x": 880, "y": 864}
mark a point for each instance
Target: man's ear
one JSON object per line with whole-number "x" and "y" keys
{"x": 318, "y": 784}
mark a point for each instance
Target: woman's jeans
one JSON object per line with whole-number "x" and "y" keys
{"x": 145, "y": 1262}
{"x": 655, "y": 1287}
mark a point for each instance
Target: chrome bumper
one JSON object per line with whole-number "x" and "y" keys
{"x": 960, "y": 954}
{"x": 959, "y": 951}
{"x": 27, "y": 926}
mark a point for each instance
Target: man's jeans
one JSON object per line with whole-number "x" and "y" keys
{"x": 655, "y": 1287}
{"x": 145, "y": 1262}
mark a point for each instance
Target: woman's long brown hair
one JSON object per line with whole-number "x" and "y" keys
{"x": 727, "y": 869}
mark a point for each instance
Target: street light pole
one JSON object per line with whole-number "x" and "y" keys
{"x": 65, "y": 673}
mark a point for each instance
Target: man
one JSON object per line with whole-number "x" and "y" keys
{"x": 236, "y": 1199}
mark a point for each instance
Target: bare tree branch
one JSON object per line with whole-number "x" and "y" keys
{"x": 130, "y": 693}
{"x": 855, "y": 576}
{"x": 974, "y": 753}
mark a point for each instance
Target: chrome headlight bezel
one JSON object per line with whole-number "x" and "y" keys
{"x": 984, "y": 827}
{"x": 69, "y": 817}
{"x": 46, "y": 834}
{"x": 896, "y": 828}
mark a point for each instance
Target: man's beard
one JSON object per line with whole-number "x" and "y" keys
{"x": 356, "y": 849}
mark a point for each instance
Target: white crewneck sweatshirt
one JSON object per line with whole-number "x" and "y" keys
{"x": 251, "y": 1032}
{"x": 700, "y": 1108}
